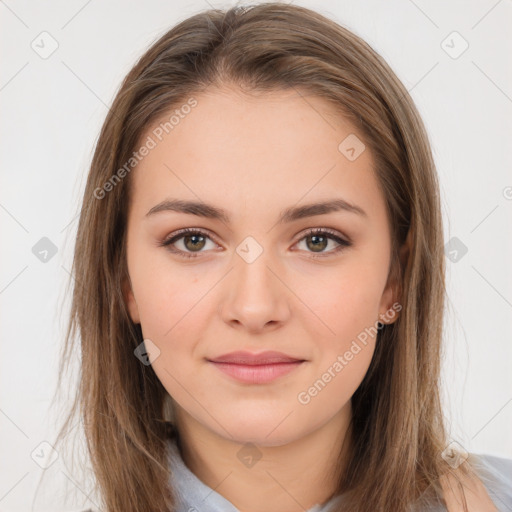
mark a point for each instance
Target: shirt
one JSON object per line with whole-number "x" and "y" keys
{"x": 195, "y": 496}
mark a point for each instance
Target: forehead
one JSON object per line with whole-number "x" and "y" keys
{"x": 279, "y": 147}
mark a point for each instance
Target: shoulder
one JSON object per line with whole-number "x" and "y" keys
{"x": 496, "y": 474}
{"x": 488, "y": 490}
{"x": 499, "y": 466}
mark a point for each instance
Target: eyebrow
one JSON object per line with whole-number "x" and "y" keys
{"x": 288, "y": 215}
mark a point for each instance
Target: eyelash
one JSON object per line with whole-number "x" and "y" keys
{"x": 332, "y": 235}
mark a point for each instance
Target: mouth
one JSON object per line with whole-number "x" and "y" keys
{"x": 256, "y": 368}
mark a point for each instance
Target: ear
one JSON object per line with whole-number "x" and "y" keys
{"x": 129, "y": 300}
{"x": 391, "y": 297}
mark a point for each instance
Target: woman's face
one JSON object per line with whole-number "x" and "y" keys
{"x": 256, "y": 280}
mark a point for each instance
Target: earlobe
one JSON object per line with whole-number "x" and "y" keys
{"x": 391, "y": 297}
{"x": 388, "y": 314}
{"x": 129, "y": 300}
{"x": 388, "y": 311}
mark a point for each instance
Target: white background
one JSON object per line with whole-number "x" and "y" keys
{"x": 52, "y": 111}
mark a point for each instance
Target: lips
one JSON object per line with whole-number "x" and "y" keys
{"x": 262, "y": 358}
{"x": 262, "y": 368}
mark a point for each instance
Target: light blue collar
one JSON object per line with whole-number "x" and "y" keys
{"x": 195, "y": 496}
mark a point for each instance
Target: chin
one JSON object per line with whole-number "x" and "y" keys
{"x": 261, "y": 430}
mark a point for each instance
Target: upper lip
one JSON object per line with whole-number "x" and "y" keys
{"x": 243, "y": 357}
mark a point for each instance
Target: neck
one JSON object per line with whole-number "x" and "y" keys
{"x": 293, "y": 476}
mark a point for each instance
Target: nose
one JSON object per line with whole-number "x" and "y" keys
{"x": 256, "y": 297}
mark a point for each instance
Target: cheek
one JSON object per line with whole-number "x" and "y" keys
{"x": 342, "y": 304}
{"x": 166, "y": 296}
{"x": 334, "y": 385}
{"x": 174, "y": 312}
{"x": 175, "y": 319}
{"x": 343, "y": 352}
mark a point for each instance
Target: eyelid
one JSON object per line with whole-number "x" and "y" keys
{"x": 176, "y": 235}
{"x": 324, "y": 229}
{"x": 342, "y": 240}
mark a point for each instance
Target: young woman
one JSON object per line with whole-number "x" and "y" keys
{"x": 260, "y": 284}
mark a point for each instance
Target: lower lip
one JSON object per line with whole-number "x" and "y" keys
{"x": 257, "y": 374}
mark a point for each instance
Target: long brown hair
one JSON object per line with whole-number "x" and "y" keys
{"x": 398, "y": 431}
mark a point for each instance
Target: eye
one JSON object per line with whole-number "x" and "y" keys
{"x": 318, "y": 239}
{"x": 194, "y": 240}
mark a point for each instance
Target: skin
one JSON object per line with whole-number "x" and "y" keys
{"x": 468, "y": 495}
{"x": 255, "y": 156}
